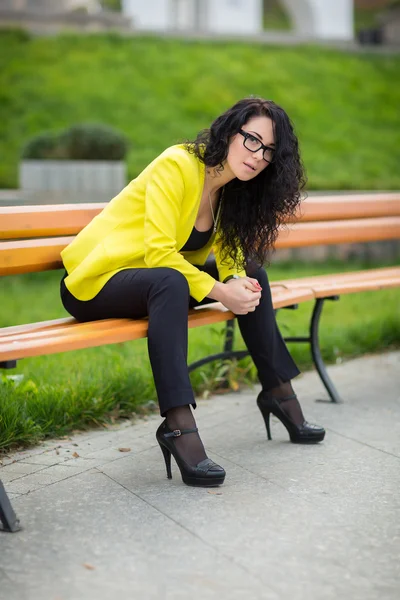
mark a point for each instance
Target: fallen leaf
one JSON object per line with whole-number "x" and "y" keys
{"x": 75, "y": 455}
{"x": 124, "y": 449}
{"x": 88, "y": 567}
{"x": 214, "y": 493}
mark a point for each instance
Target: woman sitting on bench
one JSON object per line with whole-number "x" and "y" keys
{"x": 147, "y": 254}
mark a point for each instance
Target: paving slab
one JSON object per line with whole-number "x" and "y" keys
{"x": 291, "y": 521}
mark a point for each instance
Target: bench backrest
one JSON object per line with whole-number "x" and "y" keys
{"x": 36, "y": 230}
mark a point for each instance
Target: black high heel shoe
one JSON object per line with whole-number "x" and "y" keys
{"x": 206, "y": 473}
{"x": 299, "y": 434}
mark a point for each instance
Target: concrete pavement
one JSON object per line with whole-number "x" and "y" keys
{"x": 291, "y": 522}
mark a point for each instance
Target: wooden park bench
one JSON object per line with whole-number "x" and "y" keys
{"x": 39, "y": 233}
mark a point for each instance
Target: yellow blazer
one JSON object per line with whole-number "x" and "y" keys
{"x": 146, "y": 226}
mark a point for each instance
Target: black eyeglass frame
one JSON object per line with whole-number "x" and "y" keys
{"x": 246, "y": 136}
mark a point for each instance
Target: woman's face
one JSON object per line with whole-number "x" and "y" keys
{"x": 242, "y": 162}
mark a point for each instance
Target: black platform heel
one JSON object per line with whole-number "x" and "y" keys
{"x": 306, "y": 433}
{"x": 206, "y": 473}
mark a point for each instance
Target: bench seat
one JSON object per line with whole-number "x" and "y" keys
{"x": 345, "y": 283}
{"x": 62, "y": 335}
{"x": 28, "y": 256}
{"x": 32, "y": 238}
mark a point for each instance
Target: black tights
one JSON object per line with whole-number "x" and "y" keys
{"x": 162, "y": 294}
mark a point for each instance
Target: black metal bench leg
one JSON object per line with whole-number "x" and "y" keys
{"x": 229, "y": 335}
{"x": 8, "y": 518}
{"x": 8, "y": 364}
{"x": 227, "y": 353}
{"x": 312, "y": 339}
{"x": 316, "y": 351}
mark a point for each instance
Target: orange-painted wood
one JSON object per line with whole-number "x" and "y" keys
{"x": 354, "y": 206}
{"x": 46, "y": 220}
{"x": 28, "y": 256}
{"x": 61, "y": 335}
{"x": 339, "y": 232}
{"x": 339, "y": 278}
{"x": 69, "y": 219}
{"x": 334, "y": 289}
{"x": 324, "y": 220}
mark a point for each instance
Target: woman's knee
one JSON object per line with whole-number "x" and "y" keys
{"x": 172, "y": 280}
{"x": 258, "y": 273}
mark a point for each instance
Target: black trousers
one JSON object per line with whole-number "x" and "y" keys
{"x": 162, "y": 294}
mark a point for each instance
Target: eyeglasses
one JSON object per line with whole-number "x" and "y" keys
{"x": 254, "y": 145}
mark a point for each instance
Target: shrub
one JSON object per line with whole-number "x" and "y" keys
{"x": 93, "y": 142}
{"x": 43, "y": 145}
{"x": 80, "y": 142}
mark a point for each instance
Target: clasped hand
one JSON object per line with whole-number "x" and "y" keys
{"x": 242, "y": 295}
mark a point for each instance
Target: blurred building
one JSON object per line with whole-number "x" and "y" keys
{"x": 220, "y": 16}
{"x": 322, "y": 19}
{"x": 315, "y": 19}
{"x": 48, "y": 6}
{"x": 53, "y": 16}
{"x": 310, "y": 19}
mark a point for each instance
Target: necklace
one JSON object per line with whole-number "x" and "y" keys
{"x": 215, "y": 220}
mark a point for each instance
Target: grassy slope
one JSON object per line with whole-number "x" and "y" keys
{"x": 160, "y": 91}
{"x": 62, "y": 392}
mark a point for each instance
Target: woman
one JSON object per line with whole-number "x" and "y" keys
{"x": 146, "y": 254}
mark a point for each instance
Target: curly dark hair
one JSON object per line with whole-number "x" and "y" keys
{"x": 252, "y": 211}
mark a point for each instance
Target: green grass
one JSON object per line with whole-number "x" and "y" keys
{"x": 161, "y": 91}
{"x": 63, "y": 392}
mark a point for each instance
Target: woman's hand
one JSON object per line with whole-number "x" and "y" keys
{"x": 241, "y": 296}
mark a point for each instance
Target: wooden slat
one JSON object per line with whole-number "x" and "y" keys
{"x": 137, "y": 328}
{"x": 41, "y": 326}
{"x": 354, "y": 206}
{"x": 74, "y": 341}
{"x": 62, "y": 335}
{"x": 322, "y": 291}
{"x": 41, "y": 255}
{"x": 282, "y": 298}
{"x": 45, "y": 221}
{"x": 88, "y": 335}
{"x": 339, "y": 278}
{"x": 69, "y": 219}
{"x": 345, "y": 283}
{"x": 29, "y": 256}
{"x": 339, "y": 232}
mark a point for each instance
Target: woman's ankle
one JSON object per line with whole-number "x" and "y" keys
{"x": 190, "y": 446}
{"x": 289, "y": 402}
{"x": 282, "y": 390}
{"x": 180, "y": 417}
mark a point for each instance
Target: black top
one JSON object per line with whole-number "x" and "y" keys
{"x": 198, "y": 239}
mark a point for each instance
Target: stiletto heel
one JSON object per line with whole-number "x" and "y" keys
{"x": 299, "y": 434}
{"x": 167, "y": 458}
{"x": 206, "y": 473}
{"x": 267, "y": 425}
